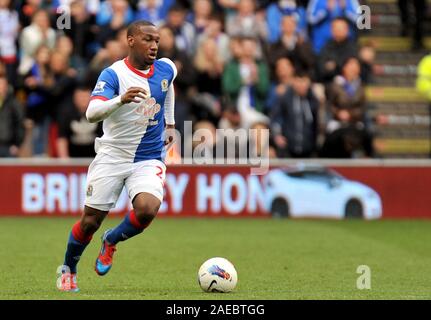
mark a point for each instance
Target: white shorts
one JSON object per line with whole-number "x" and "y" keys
{"x": 107, "y": 176}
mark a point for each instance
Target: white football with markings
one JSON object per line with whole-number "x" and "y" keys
{"x": 217, "y": 275}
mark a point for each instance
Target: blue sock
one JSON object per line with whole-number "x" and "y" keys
{"x": 128, "y": 228}
{"x": 75, "y": 247}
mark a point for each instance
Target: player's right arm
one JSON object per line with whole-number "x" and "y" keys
{"x": 105, "y": 99}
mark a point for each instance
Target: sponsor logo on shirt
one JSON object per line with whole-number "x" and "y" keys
{"x": 147, "y": 110}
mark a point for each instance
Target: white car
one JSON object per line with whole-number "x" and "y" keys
{"x": 319, "y": 192}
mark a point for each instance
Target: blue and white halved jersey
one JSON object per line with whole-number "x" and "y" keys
{"x": 134, "y": 132}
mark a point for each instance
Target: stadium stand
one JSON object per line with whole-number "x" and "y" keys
{"x": 402, "y": 114}
{"x": 203, "y": 33}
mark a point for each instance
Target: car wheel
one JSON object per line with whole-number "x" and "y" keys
{"x": 280, "y": 208}
{"x": 354, "y": 209}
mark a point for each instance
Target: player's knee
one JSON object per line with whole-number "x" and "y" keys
{"x": 90, "y": 225}
{"x": 146, "y": 213}
{"x": 91, "y": 222}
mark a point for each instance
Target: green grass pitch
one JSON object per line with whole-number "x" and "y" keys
{"x": 275, "y": 259}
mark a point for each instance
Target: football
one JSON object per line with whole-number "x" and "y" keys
{"x": 217, "y": 275}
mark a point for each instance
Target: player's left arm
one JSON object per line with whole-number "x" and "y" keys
{"x": 170, "y": 115}
{"x": 169, "y": 106}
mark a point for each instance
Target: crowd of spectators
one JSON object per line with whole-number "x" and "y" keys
{"x": 294, "y": 67}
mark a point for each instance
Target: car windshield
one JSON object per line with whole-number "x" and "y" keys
{"x": 313, "y": 174}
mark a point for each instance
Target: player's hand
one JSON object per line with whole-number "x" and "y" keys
{"x": 170, "y": 135}
{"x": 134, "y": 94}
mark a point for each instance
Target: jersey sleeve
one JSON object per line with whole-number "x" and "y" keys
{"x": 107, "y": 86}
{"x": 173, "y": 67}
{"x": 170, "y": 106}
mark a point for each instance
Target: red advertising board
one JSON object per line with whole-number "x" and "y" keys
{"x": 207, "y": 191}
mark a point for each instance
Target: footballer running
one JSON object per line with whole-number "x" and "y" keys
{"x": 134, "y": 98}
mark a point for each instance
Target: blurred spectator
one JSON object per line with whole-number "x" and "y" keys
{"x": 367, "y": 56}
{"x": 348, "y": 136}
{"x": 423, "y": 81}
{"x": 150, "y": 10}
{"x": 113, "y": 51}
{"x": 33, "y": 36}
{"x": 294, "y": 119}
{"x": 228, "y": 4}
{"x": 230, "y": 118}
{"x": 115, "y": 13}
{"x": 9, "y": 27}
{"x": 113, "y": 16}
{"x": 275, "y": 13}
{"x": 235, "y": 47}
{"x": 246, "y": 22}
{"x": 58, "y": 4}
{"x": 348, "y": 142}
{"x": 246, "y": 81}
{"x": 292, "y": 44}
{"x": 184, "y": 31}
{"x": 37, "y": 84}
{"x": 259, "y": 142}
{"x": 206, "y": 147}
{"x": 27, "y": 9}
{"x": 122, "y": 39}
{"x": 76, "y": 135}
{"x": 11, "y": 121}
{"x": 64, "y": 78}
{"x": 346, "y": 96}
{"x": 336, "y": 51}
{"x": 202, "y": 10}
{"x": 214, "y": 30}
{"x": 229, "y": 145}
{"x": 419, "y": 18}
{"x": 81, "y": 31}
{"x": 168, "y": 48}
{"x": 321, "y": 14}
{"x": 162, "y": 6}
{"x": 184, "y": 80}
{"x": 284, "y": 74}
{"x": 64, "y": 46}
{"x": 209, "y": 66}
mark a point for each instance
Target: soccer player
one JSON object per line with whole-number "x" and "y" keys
{"x": 134, "y": 98}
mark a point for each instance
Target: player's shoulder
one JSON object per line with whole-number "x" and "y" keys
{"x": 117, "y": 67}
{"x": 113, "y": 72}
{"x": 168, "y": 64}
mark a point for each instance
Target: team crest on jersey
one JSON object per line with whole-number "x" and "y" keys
{"x": 100, "y": 87}
{"x": 89, "y": 190}
{"x": 165, "y": 85}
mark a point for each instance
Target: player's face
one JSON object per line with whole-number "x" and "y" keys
{"x": 145, "y": 44}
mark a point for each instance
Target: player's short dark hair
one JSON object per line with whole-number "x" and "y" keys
{"x": 134, "y": 27}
